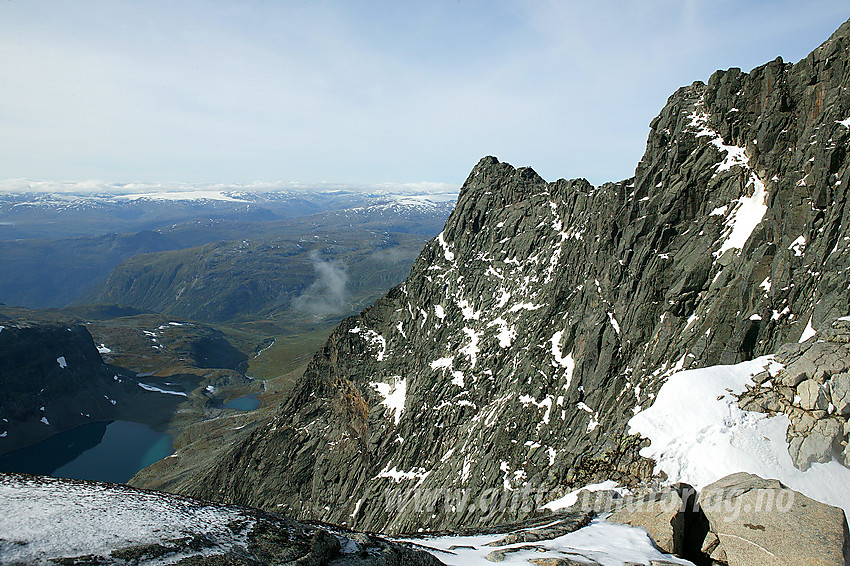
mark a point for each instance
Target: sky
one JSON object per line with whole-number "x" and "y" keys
{"x": 362, "y": 92}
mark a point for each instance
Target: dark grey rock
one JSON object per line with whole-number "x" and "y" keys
{"x": 560, "y": 562}
{"x": 546, "y": 312}
{"x": 500, "y": 554}
{"x": 552, "y": 530}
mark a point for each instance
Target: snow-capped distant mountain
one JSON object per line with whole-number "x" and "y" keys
{"x": 130, "y": 208}
{"x": 62, "y": 244}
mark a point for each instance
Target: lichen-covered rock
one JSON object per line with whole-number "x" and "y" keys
{"x": 812, "y": 396}
{"x": 762, "y": 522}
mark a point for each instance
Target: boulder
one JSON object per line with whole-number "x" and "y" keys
{"x": 817, "y": 445}
{"x": 812, "y": 396}
{"x": 761, "y": 522}
{"x": 840, "y": 393}
{"x": 662, "y": 514}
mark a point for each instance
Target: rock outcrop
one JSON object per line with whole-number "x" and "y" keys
{"x": 812, "y": 390}
{"x": 740, "y": 520}
{"x": 761, "y": 522}
{"x": 546, "y": 314}
{"x": 53, "y": 379}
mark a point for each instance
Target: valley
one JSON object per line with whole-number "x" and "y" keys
{"x": 251, "y": 314}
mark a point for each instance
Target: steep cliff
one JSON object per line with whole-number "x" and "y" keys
{"x": 53, "y": 379}
{"x": 546, "y": 314}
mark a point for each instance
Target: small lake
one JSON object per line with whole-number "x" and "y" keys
{"x": 246, "y": 403}
{"x": 103, "y": 451}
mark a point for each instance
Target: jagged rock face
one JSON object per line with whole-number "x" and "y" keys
{"x": 545, "y": 314}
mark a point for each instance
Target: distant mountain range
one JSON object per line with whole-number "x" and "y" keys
{"x": 64, "y": 247}
{"x": 28, "y": 215}
{"x": 280, "y": 266}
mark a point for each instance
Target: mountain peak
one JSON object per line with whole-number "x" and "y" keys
{"x": 546, "y": 315}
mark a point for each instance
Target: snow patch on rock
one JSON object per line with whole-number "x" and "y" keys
{"x": 699, "y": 434}
{"x": 394, "y": 395}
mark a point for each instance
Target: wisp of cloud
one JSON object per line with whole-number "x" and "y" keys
{"x": 328, "y": 294}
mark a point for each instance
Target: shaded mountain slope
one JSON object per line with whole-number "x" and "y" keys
{"x": 316, "y": 277}
{"x": 52, "y": 273}
{"x": 546, "y": 314}
{"x": 54, "y": 379}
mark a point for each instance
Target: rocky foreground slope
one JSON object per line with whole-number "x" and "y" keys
{"x": 54, "y": 521}
{"x": 546, "y": 315}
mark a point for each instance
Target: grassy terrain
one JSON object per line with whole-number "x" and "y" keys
{"x": 284, "y": 361}
{"x": 200, "y": 442}
{"x": 295, "y": 283}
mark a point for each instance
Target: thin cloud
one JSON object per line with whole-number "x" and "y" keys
{"x": 328, "y": 294}
{"x": 363, "y": 92}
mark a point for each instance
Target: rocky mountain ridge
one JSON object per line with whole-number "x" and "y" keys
{"x": 545, "y": 315}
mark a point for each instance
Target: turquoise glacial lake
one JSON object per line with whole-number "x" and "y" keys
{"x": 110, "y": 451}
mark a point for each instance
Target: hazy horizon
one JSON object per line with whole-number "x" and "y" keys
{"x": 361, "y": 94}
{"x": 93, "y": 187}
